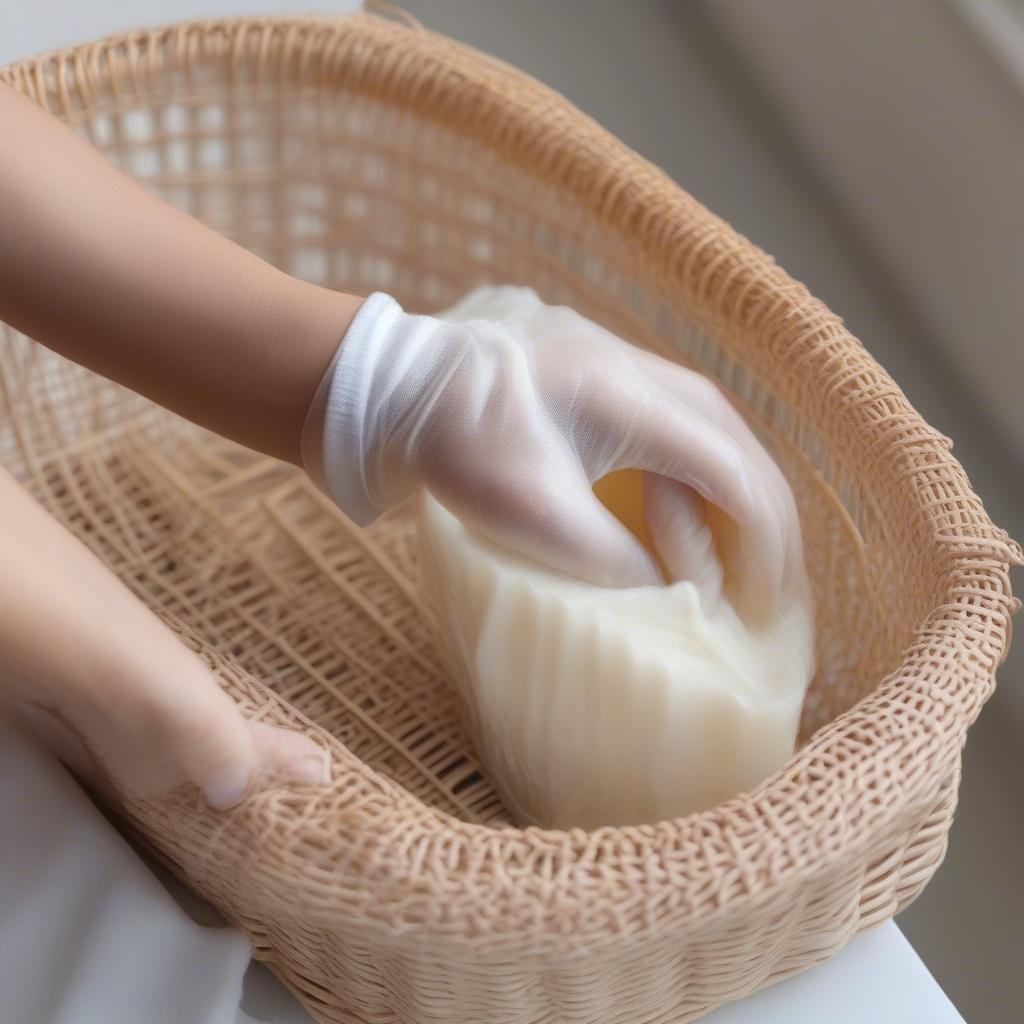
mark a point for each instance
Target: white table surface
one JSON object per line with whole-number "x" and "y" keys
{"x": 89, "y": 935}
{"x": 56, "y": 955}
{"x": 876, "y": 979}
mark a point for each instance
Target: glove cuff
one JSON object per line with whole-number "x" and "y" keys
{"x": 335, "y": 443}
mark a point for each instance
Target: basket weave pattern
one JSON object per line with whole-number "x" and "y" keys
{"x": 365, "y": 155}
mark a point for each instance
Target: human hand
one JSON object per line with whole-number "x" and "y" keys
{"x": 509, "y": 421}
{"x": 84, "y": 657}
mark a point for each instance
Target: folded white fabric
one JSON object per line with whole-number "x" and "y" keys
{"x": 598, "y": 706}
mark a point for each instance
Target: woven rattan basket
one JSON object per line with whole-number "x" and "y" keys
{"x": 365, "y": 154}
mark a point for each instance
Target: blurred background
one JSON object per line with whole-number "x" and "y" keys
{"x": 876, "y": 149}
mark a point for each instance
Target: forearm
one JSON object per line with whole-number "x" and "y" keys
{"x": 102, "y": 271}
{"x": 70, "y": 632}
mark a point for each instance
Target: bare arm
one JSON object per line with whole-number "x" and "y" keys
{"x": 97, "y": 268}
{"x": 75, "y": 642}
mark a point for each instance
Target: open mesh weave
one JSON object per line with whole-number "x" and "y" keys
{"x": 364, "y": 155}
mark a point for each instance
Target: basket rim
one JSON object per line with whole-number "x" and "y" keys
{"x": 731, "y": 287}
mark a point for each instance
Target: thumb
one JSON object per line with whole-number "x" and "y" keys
{"x": 563, "y": 525}
{"x": 151, "y": 734}
{"x": 205, "y": 738}
{"x": 587, "y": 541}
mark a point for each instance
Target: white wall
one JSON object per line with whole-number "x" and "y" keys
{"x": 28, "y": 28}
{"x": 915, "y": 127}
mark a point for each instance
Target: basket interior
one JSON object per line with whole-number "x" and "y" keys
{"x": 354, "y": 194}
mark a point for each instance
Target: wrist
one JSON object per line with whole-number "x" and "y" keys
{"x": 313, "y": 319}
{"x": 332, "y": 393}
{"x": 350, "y": 445}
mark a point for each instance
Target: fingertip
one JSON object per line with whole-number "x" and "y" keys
{"x": 560, "y": 523}
{"x": 307, "y": 769}
{"x": 281, "y": 757}
{"x": 225, "y": 763}
{"x": 290, "y": 757}
{"x": 228, "y": 787}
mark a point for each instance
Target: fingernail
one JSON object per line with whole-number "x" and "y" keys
{"x": 311, "y": 770}
{"x": 229, "y": 788}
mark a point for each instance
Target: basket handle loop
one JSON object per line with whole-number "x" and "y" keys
{"x": 385, "y": 9}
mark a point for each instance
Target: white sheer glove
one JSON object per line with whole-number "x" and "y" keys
{"x": 509, "y": 422}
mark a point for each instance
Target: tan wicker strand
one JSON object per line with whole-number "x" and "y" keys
{"x": 364, "y": 154}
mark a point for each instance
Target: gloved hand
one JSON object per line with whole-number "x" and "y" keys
{"x": 509, "y": 422}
